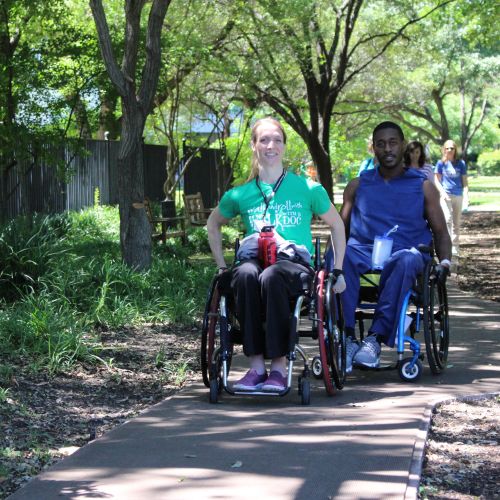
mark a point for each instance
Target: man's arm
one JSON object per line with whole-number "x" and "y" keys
{"x": 349, "y": 197}
{"x": 435, "y": 217}
{"x": 332, "y": 218}
{"x": 214, "y": 225}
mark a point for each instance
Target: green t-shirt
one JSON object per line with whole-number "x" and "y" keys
{"x": 290, "y": 211}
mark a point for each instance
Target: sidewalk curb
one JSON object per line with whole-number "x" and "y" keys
{"x": 417, "y": 459}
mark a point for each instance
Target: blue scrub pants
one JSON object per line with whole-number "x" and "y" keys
{"x": 398, "y": 276}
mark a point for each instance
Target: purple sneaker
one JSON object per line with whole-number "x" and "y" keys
{"x": 252, "y": 381}
{"x": 275, "y": 382}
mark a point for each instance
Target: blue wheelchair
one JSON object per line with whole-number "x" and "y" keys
{"x": 425, "y": 307}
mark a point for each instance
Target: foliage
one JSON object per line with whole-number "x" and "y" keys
{"x": 64, "y": 279}
{"x": 437, "y": 78}
{"x": 489, "y": 162}
{"x": 198, "y": 238}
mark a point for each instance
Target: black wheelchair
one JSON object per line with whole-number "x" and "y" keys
{"x": 425, "y": 307}
{"x": 316, "y": 314}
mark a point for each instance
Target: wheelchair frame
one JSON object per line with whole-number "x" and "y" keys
{"x": 322, "y": 306}
{"x": 427, "y": 304}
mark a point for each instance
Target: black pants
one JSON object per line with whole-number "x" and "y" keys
{"x": 266, "y": 295}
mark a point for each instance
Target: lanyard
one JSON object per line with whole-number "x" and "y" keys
{"x": 267, "y": 199}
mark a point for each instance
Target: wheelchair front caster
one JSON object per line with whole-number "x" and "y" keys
{"x": 317, "y": 368}
{"x": 410, "y": 374}
{"x": 214, "y": 391}
{"x": 305, "y": 392}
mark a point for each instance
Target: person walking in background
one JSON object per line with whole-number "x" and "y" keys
{"x": 369, "y": 163}
{"x": 414, "y": 157}
{"x": 451, "y": 173}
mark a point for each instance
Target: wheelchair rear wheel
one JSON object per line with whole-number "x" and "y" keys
{"x": 436, "y": 324}
{"x": 210, "y": 330}
{"x": 331, "y": 338}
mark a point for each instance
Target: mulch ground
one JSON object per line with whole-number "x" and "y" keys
{"x": 479, "y": 262}
{"x": 461, "y": 457}
{"x": 43, "y": 419}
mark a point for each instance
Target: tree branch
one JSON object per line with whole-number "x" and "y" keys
{"x": 151, "y": 69}
{"x": 393, "y": 36}
{"x": 112, "y": 67}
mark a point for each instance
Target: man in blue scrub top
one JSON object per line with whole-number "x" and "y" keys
{"x": 375, "y": 202}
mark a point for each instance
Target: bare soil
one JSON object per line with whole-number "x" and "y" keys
{"x": 462, "y": 460}
{"x": 461, "y": 457}
{"x": 479, "y": 262}
{"x": 44, "y": 418}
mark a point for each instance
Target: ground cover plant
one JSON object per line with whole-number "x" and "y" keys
{"x": 62, "y": 280}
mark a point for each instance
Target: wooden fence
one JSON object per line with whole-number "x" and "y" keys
{"x": 35, "y": 185}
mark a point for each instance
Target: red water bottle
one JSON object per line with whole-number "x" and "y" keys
{"x": 267, "y": 246}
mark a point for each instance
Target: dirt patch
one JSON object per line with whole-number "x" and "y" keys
{"x": 461, "y": 456}
{"x": 462, "y": 460}
{"x": 479, "y": 262}
{"x": 43, "y": 419}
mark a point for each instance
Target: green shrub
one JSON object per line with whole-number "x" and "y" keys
{"x": 489, "y": 162}
{"x": 29, "y": 247}
{"x": 63, "y": 278}
{"x": 198, "y": 238}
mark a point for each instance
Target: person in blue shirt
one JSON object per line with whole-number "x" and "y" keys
{"x": 391, "y": 194}
{"x": 451, "y": 172}
{"x": 371, "y": 162}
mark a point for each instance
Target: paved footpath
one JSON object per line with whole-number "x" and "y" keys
{"x": 363, "y": 443}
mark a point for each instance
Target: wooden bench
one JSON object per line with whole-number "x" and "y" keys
{"x": 160, "y": 225}
{"x": 196, "y": 213}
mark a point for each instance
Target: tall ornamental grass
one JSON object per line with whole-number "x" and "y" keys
{"x": 62, "y": 279}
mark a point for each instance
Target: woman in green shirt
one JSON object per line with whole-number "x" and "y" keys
{"x": 272, "y": 197}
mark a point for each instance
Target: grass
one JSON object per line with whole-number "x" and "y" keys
{"x": 484, "y": 183}
{"x": 484, "y": 191}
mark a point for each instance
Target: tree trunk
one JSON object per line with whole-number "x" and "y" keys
{"x": 445, "y": 129}
{"x": 321, "y": 159}
{"x": 135, "y": 230}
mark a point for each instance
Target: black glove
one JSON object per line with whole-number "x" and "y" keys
{"x": 442, "y": 273}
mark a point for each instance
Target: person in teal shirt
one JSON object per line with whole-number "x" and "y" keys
{"x": 369, "y": 163}
{"x": 272, "y": 197}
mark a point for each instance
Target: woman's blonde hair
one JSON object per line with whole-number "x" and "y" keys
{"x": 448, "y": 144}
{"x": 254, "y": 172}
